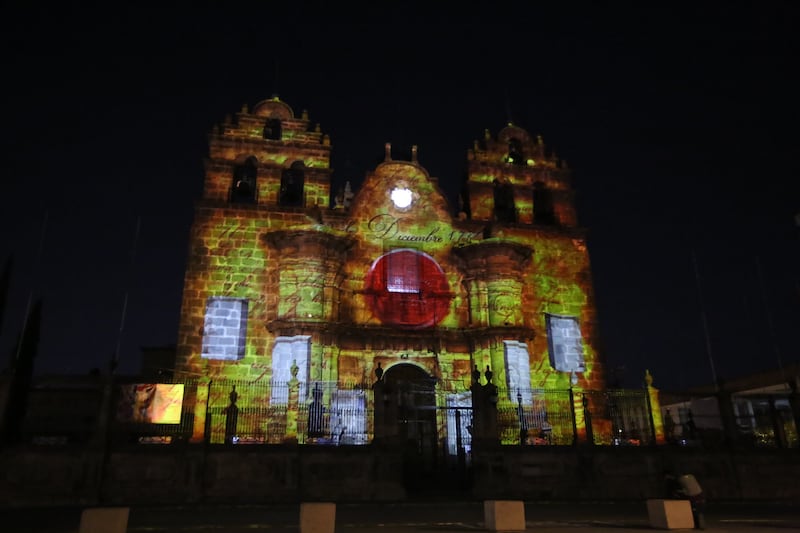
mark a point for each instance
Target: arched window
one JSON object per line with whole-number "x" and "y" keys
{"x": 504, "y": 210}
{"x": 243, "y": 189}
{"x": 543, "y": 212}
{"x": 272, "y": 129}
{"x": 515, "y": 154}
{"x": 292, "y": 180}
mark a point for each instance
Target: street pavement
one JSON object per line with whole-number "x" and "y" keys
{"x": 408, "y": 517}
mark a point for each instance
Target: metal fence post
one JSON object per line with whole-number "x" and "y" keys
{"x": 587, "y": 420}
{"x": 574, "y": 417}
{"x": 231, "y": 417}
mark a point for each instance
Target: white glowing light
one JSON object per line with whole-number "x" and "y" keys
{"x": 402, "y": 197}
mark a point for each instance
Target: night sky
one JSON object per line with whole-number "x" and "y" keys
{"x": 680, "y": 125}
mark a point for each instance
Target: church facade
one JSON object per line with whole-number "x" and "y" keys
{"x": 288, "y": 281}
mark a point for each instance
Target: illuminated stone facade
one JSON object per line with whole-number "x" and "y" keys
{"x": 324, "y": 288}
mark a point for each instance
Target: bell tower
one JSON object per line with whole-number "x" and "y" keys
{"x": 268, "y": 157}
{"x": 267, "y": 169}
{"x": 511, "y": 179}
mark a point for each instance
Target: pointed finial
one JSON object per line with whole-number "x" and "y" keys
{"x": 648, "y": 378}
{"x": 486, "y": 134}
{"x": 388, "y": 148}
{"x": 414, "y": 154}
{"x": 233, "y": 396}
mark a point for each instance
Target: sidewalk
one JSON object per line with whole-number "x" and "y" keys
{"x": 407, "y": 517}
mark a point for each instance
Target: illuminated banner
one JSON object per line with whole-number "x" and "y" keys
{"x": 151, "y": 403}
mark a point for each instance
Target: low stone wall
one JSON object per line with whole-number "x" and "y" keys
{"x": 633, "y": 473}
{"x": 266, "y": 474}
{"x": 169, "y": 475}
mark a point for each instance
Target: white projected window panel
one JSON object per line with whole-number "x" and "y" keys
{"x": 288, "y": 350}
{"x": 402, "y": 273}
{"x": 565, "y": 343}
{"x": 518, "y": 371}
{"x": 349, "y": 417}
{"x": 224, "y": 328}
{"x": 459, "y": 422}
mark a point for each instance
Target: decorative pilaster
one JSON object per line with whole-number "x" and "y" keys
{"x": 309, "y": 272}
{"x": 654, "y": 405}
{"x": 492, "y": 268}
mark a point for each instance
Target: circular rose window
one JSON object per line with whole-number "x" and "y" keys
{"x": 407, "y": 288}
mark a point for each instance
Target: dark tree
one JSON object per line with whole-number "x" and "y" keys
{"x": 22, "y": 376}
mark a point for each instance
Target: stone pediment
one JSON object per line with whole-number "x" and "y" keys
{"x": 400, "y": 201}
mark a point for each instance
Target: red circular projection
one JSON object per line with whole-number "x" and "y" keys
{"x": 407, "y": 288}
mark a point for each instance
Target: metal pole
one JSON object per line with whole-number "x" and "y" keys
{"x": 768, "y": 314}
{"x": 574, "y": 417}
{"x": 705, "y": 322}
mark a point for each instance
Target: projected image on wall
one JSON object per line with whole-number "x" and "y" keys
{"x": 565, "y": 343}
{"x": 151, "y": 403}
{"x": 407, "y": 288}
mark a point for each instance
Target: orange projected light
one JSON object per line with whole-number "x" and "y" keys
{"x": 151, "y": 403}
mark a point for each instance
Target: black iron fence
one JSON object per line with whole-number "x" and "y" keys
{"x": 280, "y": 412}
{"x": 755, "y": 421}
{"x": 539, "y": 417}
{"x": 618, "y": 417}
{"x": 329, "y": 413}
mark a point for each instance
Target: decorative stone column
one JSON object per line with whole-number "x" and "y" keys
{"x": 309, "y": 273}
{"x": 492, "y": 269}
{"x": 292, "y": 407}
{"x": 654, "y": 410}
{"x": 484, "y": 413}
{"x": 201, "y": 411}
{"x": 495, "y": 266}
{"x": 232, "y": 418}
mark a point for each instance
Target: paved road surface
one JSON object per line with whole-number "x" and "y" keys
{"x": 417, "y": 517}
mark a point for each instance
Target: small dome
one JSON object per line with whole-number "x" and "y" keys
{"x": 513, "y": 132}
{"x": 273, "y": 108}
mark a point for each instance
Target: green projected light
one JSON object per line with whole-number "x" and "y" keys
{"x": 391, "y": 276}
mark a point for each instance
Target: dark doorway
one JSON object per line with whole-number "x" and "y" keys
{"x": 414, "y": 391}
{"x": 425, "y": 465}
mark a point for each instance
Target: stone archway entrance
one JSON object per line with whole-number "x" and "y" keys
{"x": 414, "y": 390}
{"x": 414, "y": 395}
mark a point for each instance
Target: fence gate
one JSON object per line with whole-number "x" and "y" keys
{"x": 434, "y": 433}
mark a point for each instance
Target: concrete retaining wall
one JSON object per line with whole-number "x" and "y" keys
{"x": 632, "y": 473}
{"x": 266, "y": 474}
